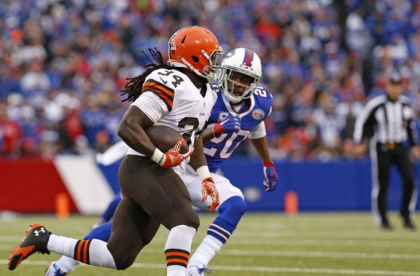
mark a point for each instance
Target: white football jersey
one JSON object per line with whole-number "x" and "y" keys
{"x": 184, "y": 108}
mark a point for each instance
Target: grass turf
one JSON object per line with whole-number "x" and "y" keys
{"x": 316, "y": 244}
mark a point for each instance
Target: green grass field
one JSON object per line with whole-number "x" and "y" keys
{"x": 316, "y": 244}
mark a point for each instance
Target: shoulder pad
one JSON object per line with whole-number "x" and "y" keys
{"x": 163, "y": 82}
{"x": 262, "y": 92}
{"x": 263, "y": 100}
{"x": 262, "y": 95}
{"x": 169, "y": 78}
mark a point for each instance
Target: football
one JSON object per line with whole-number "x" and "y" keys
{"x": 164, "y": 138}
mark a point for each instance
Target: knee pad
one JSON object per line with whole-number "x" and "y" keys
{"x": 193, "y": 222}
{"x": 232, "y": 210}
{"x": 124, "y": 261}
{"x": 177, "y": 218}
{"x": 102, "y": 232}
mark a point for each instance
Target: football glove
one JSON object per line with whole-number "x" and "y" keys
{"x": 209, "y": 189}
{"x": 228, "y": 125}
{"x": 270, "y": 176}
{"x": 172, "y": 157}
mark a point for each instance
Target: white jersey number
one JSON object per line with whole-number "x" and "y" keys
{"x": 230, "y": 141}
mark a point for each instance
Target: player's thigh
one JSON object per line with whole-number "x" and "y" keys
{"x": 159, "y": 191}
{"x": 224, "y": 187}
{"x": 132, "y": 229}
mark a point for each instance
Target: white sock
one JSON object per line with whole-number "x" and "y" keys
{"x": 100, "y": 255}
{"x": 177, "y": 249}
{"x": 66, "y": 264}
{"x": 97, "y": 251}
{"x": 208, "y": 248}
{"x": 61, "y": 245}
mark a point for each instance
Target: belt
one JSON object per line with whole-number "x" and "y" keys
{"x": 390, "y": 145}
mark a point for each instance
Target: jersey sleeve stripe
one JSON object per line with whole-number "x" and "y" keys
{"x": 162, "y": 91}
{"x": 161, "y": 86}
{"x": 166, "y": 99}
{"x": 155, "y": 88}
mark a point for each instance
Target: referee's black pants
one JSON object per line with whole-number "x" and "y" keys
{"x": 386, "y": 155}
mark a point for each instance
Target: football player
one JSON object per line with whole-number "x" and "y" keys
{"x": 177, "y": 95}
{"x": 239, "y": 113}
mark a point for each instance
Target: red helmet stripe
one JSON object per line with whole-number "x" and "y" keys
{"x": 249, "y": 56}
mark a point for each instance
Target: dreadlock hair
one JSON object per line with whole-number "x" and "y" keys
{"x": 134, "y": 85}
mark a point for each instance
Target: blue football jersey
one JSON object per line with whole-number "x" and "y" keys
{"x": 253, "y": 111}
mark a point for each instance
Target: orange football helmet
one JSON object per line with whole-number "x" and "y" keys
{"x": 197, "y": 49}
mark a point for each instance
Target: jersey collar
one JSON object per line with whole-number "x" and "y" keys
{"x": 245, "y": 112}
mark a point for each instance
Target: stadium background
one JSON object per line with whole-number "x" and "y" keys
{"x": 63, "y": 63}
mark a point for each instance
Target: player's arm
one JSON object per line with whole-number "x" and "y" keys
{"x": 131, "y": 131}
{"x": 259, "y": 141}
{"x": 261, "y": 146}
{"x": 198, "y": 158}
{"x": 199, "y": 163}
{"x": 207, "y": 135}
{"x": 144, "y": 112}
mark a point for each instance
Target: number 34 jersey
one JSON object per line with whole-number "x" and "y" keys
{"x": 175, "y": 102}
{"x": 252, "y": 112}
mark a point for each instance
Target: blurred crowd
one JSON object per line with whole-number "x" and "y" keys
{"x": 63, "y": 64}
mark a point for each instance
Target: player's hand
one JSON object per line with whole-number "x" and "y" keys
{"x": 270, "y": 176}
{"x": 172, "y": 157}
{"x": 228, "y": 125}
{"x": 209, "y": 189}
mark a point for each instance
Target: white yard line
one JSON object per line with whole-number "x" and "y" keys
{"x": 326, "y": 243}
{"x": 266, "y": 269}
{"x": 371, "y": 243}
{"x": 303, "y": 226}
{"x": 316, "y": 270}
{"x": 335, "y": 255}
{"x": 405, "y": 236}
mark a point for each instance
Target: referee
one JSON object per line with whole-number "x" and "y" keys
{"x": 389, "y": 121}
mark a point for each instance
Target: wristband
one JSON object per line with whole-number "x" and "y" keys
{"x": 217, "y": 130}
{"x": 158, "y": 156}
{"x": 203, "y": 172}
{"x": 268, "y": 164}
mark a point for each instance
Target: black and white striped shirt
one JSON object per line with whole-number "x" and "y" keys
{"x": 387, "y": 121}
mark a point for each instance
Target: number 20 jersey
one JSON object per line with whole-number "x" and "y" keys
{"x": 258, "y": 107}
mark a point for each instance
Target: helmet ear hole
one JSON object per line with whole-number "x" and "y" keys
{"x": 195, "y": 59}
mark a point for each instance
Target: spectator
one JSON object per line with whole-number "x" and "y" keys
{"x": 69, "y": 59}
